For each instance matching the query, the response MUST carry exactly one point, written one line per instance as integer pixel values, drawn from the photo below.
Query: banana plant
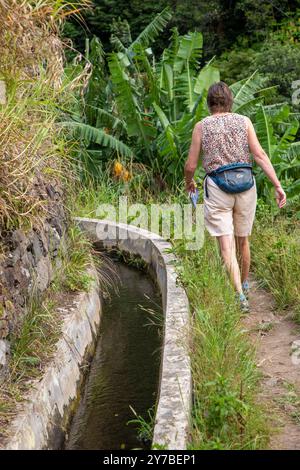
(142, 107)
(127, 100)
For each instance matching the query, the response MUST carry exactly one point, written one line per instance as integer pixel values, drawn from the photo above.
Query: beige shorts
(225, 214)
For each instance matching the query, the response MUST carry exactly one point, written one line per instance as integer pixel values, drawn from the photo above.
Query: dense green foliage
(143, 108)
(225, 413)
(270, 59)
(145, 87)
(221, 22)
(276, 254)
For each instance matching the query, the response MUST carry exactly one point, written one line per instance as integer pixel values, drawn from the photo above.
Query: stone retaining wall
(42, 419)
(27, 264)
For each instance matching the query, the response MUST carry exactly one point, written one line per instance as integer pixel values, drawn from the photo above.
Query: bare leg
(228, 253)
(243, 250)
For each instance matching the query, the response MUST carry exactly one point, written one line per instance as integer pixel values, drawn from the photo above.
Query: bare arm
(193, 157)
(264, 162)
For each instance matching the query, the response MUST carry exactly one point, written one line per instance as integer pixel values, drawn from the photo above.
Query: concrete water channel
(124, 375)
(164, 380)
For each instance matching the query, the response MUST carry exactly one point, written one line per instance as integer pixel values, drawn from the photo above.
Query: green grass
(226, 412)
(30, 351)
(33, 345)
(85, 202)
(226, 409)
(290, 401)
(75, 258)
(276, 258)
(144, 426)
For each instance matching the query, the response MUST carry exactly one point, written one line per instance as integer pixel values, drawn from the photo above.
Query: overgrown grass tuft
(75, 258)
(33, 346)
(276, 258)
(226, 412)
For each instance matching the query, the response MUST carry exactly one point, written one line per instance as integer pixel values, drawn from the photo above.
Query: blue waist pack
(233, 178)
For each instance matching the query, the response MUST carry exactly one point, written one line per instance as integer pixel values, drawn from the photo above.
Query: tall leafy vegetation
(270, 58)
(276, 253)
(31, 69)
(151, 105)
(226, 413)
(223, 23)
(140, 107)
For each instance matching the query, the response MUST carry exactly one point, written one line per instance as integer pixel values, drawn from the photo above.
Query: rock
(4, 327)
(37, 247)
(295, 352)
(52, 193)
(43, 274)
(272, 382)
(4, 359)
(19, 238)
(54, 241)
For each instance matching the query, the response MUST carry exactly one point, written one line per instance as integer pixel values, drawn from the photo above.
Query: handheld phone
(194, 197)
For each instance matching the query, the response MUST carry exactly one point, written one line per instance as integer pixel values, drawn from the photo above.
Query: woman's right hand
(280, 197)
(190, 186)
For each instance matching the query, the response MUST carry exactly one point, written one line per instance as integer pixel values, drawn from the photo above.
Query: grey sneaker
(246, 288)
(244, 304)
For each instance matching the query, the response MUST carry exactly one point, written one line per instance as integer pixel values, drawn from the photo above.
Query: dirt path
(278, 356)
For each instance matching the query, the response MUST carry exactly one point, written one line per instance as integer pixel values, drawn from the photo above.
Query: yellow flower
(118, 169)
(126, 175)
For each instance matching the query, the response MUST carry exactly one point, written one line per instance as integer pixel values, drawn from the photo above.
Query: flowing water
(125, 368)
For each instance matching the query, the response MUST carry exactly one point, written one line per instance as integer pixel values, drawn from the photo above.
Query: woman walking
(226, 140)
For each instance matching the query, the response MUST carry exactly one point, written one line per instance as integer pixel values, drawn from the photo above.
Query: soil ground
(278, 357)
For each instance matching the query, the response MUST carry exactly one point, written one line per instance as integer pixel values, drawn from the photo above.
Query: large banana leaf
(284, 143)
(168, 144)
(105, 118)
(153, 29)
(92, 135)
(150, 83)
(166, 81)
(184, 89)
(264, 131)
(249, 108)
(162, 117)
(127, 99)
(117, 44)
(170, 53)
(294, 151)
(189, 51)
(206, 77)
(95, 92)
(245, 90)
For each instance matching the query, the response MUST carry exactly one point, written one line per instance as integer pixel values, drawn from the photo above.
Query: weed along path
(278, 357)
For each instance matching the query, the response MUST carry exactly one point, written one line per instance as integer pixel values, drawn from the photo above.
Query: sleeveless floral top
(224, 140)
